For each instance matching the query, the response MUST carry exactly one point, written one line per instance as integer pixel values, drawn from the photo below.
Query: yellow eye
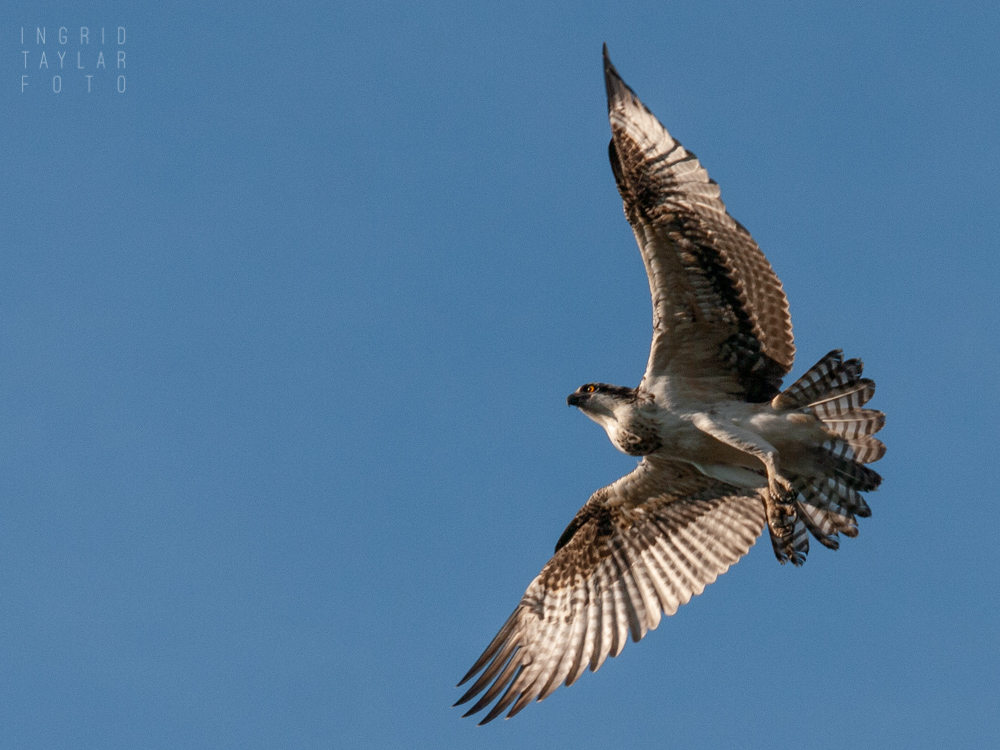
(589, 389)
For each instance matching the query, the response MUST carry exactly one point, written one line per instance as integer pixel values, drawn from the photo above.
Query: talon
(781, 511)
(780, 488)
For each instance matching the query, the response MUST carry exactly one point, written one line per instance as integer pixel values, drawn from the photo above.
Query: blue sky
(287, 330)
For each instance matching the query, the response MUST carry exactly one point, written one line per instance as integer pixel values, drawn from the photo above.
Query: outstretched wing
(641, 546)
(720, 316)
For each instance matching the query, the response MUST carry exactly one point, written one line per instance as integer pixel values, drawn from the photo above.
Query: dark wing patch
(639, 548)
(717, 303)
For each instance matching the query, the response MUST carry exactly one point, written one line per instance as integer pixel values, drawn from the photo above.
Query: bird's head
(600, 401)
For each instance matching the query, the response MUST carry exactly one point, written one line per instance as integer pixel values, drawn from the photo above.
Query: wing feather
(720, 316)
(665, 589)
(590, 618)
(606, 623)
(619, 622)
(632, 599)
(643, 581)
(638, 549)
(571, 645)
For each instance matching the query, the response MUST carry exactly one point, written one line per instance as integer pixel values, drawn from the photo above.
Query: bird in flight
(724, 451)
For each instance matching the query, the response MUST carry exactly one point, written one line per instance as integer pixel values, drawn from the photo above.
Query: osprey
(724, 451)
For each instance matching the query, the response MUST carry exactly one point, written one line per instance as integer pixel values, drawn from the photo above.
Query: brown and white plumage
(725, 452)
(639, 547)
(720, 316)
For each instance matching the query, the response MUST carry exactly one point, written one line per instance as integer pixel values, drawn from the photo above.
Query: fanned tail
(827, 503)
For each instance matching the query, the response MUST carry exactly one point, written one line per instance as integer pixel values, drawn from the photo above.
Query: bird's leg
(779, 500)
(780, 495)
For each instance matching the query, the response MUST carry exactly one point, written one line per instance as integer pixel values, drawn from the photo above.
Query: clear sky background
(287, 328)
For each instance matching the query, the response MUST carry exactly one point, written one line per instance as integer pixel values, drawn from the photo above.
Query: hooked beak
(575, 399)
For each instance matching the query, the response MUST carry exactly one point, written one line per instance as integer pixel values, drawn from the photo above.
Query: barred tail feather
(827, 503)
(829, 373)
(825, 524)
(856, 475)
(834, 391)
(845, 398)
(854, 424)
(864, 450)
(828, 508)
